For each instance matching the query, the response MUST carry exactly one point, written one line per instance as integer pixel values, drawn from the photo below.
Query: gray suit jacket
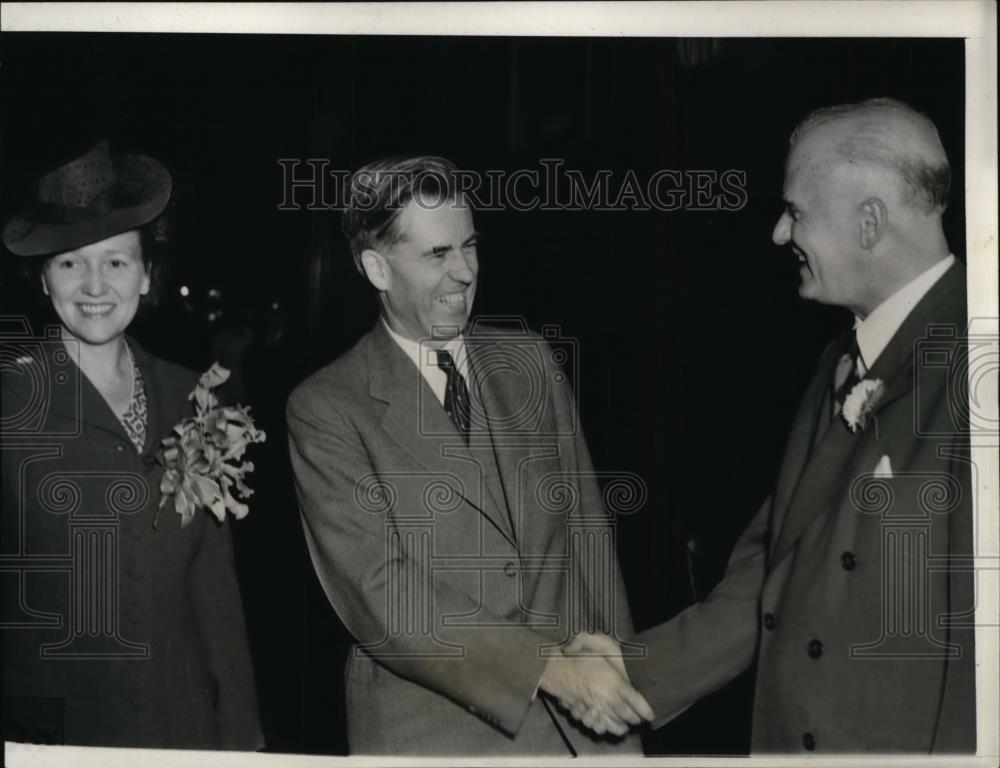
(456, 568)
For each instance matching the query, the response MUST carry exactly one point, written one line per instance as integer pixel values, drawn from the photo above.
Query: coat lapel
(416, 421)
(74, 398)
(81, 402)
(824, 477)
(811, 424)
(502, 392)
(159, 418)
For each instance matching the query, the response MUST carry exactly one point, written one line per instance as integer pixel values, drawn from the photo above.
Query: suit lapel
(820, 485)
(416, 421)
(502, 392)
(811, 424)
(823, 478)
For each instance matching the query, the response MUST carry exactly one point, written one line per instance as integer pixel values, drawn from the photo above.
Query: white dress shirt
(425, 358)
(875, 331)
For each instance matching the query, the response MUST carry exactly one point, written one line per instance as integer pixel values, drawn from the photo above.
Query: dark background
(693, 345)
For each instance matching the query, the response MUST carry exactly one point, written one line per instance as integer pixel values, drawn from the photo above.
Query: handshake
(588, 679)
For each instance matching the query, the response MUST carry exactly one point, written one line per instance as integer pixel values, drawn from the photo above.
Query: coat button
(847, 560)
(815, 648)
(510, 569)
(119, 448)
(769, 621)
(808, 741)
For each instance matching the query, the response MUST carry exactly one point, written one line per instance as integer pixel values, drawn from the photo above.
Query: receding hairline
(885, 134)
(386, 187)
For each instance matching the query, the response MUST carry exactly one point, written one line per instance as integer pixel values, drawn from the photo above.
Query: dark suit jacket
(851, 591)
(455, 568)
(114, 633)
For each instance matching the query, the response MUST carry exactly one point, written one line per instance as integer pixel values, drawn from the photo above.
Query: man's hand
(588, 678)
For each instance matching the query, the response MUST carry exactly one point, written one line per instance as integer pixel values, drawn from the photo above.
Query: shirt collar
(876, 330)
(425, 357)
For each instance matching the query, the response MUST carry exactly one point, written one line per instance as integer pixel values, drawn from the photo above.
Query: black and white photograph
(484, 381)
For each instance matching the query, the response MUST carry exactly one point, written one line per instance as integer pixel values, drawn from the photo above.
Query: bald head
(865, 187)
(883, 137)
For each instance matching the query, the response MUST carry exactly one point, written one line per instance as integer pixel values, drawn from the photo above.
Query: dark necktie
(456, 394)
(841, 392)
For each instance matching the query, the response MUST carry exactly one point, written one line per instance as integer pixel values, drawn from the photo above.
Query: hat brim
(32, 233)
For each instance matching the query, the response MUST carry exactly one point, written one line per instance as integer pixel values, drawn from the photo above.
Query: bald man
(850, 588)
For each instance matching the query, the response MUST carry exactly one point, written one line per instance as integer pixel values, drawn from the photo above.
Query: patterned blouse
(135, 416)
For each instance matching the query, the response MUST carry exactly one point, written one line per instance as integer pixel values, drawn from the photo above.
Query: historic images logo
(313, 184)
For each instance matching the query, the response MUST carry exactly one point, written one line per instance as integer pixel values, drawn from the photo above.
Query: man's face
(430, 272)
(821, 223)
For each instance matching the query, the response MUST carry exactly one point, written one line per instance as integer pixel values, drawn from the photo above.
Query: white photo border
(972, 20)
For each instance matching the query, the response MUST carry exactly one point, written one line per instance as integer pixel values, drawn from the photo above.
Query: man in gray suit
(852, 586)
(450, 505)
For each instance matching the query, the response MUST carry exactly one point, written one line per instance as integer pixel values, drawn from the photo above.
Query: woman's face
(95, 289)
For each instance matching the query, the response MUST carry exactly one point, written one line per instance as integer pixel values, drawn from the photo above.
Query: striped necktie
(456, 394)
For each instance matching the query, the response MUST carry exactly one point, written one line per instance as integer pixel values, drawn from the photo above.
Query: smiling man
(851, 589)
(421, 485)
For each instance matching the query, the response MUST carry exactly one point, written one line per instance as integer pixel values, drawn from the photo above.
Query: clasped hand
(588, 678)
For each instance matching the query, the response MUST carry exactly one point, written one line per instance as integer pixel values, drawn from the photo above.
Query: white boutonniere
(860, 403)
(203, 455)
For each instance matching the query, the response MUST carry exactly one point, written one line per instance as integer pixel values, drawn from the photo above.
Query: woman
(120, 627)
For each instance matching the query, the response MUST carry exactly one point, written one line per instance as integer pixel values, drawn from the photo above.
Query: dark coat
(115, 633)
(453, 566)
(851, 589)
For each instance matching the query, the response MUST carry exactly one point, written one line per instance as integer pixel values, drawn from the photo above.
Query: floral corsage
(861, 402)
(203, 455)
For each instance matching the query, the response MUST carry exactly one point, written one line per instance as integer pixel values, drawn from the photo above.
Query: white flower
(203, 455)
(861, 402)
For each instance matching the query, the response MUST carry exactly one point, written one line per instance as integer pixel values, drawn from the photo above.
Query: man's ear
(874, 222)
(45, 285)
(376, 268)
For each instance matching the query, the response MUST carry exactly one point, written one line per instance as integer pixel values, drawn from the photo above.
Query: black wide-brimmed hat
(91, 198)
